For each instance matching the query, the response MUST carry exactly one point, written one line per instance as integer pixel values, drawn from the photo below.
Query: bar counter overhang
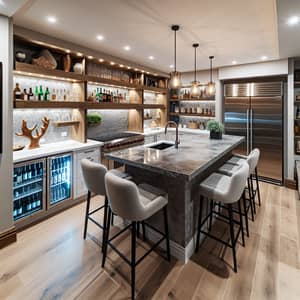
(178, 172)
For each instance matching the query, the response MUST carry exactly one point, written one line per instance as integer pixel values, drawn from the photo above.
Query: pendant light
(175, 80)
(195, 84)
(211, 87)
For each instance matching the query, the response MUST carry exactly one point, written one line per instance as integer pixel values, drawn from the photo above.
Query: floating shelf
(65, 123)
(191, 115)
(33, 70)
(109, 105)
(48, 104)
(193, 100)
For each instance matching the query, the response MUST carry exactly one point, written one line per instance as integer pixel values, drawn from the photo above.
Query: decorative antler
(34, 139)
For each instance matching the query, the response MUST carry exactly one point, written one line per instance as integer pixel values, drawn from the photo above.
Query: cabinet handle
(89, 151)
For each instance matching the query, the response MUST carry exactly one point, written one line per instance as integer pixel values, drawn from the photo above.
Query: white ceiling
(9, 7)
(289, 37)
(239, 30)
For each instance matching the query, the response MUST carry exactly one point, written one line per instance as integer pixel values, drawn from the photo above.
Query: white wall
(6, 157)
(268, 68)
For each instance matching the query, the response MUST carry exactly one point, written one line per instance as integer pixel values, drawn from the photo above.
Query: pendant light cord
(175, 51)
(211, 70)
(195, 65)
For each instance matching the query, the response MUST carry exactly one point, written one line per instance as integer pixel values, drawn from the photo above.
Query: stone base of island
(178, 172)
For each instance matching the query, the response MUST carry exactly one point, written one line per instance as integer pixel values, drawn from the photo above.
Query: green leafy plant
(93, 119)
(215, 126)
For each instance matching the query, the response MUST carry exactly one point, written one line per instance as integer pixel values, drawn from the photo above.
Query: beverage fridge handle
(251, 129)
(247, 138)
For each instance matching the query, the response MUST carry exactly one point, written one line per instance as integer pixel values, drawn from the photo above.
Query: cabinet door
(29, 183)
(79, 184)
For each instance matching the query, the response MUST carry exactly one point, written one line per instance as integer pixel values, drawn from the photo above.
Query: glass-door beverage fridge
(59, 179)
(29, 188)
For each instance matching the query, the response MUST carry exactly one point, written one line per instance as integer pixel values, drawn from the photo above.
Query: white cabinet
(149, 139)
(92, 154)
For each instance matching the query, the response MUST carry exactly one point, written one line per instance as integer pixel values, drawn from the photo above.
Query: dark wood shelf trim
(48, 104)
(193, 100)
(191, 115)
(65, 123)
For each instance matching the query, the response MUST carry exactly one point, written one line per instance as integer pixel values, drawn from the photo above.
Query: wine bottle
(30, 95)
(47, 95)
(17, 92)
(36, 94)
(41, 93)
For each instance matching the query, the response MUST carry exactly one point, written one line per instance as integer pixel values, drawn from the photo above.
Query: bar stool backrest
(124, 198)
(93, 174)
(253, 159)
(237, 184)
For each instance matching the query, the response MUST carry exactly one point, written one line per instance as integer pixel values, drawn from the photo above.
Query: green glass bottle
(41, 93)
(47, 95)
(36, 94)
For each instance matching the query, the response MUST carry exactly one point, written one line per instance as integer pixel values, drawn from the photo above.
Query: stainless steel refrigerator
(255, 110)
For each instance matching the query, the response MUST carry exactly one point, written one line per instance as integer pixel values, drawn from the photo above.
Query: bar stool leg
(250, 199)
(199, 222)
(167, 233)
(241, 222)
(257, 187)
(252, 192)
(211, 214)
(106, 237)
(133, 250)
(144, 231)
(232, 236)
(104, 222)
(246, 213)
(138, 229)
(87, 214)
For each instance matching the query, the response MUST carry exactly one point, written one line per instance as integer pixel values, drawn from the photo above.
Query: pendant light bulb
(211, 87)
(195, 91)
(175, 80)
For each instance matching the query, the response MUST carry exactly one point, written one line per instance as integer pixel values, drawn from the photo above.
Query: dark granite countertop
(195, 153)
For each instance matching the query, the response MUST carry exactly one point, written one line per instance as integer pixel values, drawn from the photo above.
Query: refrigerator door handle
(251, 129)
(247, 138)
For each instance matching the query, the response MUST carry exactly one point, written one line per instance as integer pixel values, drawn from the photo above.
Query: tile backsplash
(112, 121)
(53, 134)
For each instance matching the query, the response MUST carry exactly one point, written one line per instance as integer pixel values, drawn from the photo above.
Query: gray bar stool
(226, 190)
(93, 174)
(135, 205)
(231, 166)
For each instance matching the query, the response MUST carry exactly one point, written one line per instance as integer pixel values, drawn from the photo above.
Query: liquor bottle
(17, 92)
(38, 199)
(97, 95)
(36, 94)
(101, 95)
(30, 95)
(41, 93)
(28, 204)
(29, 172)
(47, 95)
(24, 95)
(19, 175)
(33, 202)
(65, 95)
(53, 96)
(15, 211)
(33, 171)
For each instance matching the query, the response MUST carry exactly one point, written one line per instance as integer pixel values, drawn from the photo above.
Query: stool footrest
(95, 222)
(95, 210)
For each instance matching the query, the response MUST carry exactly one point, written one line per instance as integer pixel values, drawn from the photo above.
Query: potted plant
(216, 129)
(93, 119)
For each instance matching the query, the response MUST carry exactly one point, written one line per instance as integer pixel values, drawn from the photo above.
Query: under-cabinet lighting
(79, 54)
(90, 57)
(112, 63)
(100, 37)
(101, 60)
(128, 68)
(68, 51)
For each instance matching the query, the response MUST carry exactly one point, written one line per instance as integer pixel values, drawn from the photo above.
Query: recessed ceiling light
(90, 57)
(128, 68)
(127, 48)
(100, 37)
(292, 21)
(151, 57)
(101, 59)
(112, 63)
(68, 51)
(171, 66)
(51, 19)
(264, 57)
(121, 66)
(143, 71)
(234, 62)
(136, 69)
(148, 73)
(79, 54)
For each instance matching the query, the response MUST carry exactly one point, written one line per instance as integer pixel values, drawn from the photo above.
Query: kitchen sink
(161, 146)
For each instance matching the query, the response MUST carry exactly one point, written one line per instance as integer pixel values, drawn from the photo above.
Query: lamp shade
(195, 90)
(175, 80)
(210, 89)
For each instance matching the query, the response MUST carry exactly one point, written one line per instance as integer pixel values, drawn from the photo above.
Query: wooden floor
(52, 261)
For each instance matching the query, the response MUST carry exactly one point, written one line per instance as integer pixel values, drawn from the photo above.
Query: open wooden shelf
(48, 104)
(114, 83)
(109, 105)
(30, 70)
(193, 100)
(191, 115)
(65, 123)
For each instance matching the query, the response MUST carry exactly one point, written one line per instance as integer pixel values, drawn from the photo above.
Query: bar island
(178, 172)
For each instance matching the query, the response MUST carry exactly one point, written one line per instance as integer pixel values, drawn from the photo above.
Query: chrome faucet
(177, 142)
